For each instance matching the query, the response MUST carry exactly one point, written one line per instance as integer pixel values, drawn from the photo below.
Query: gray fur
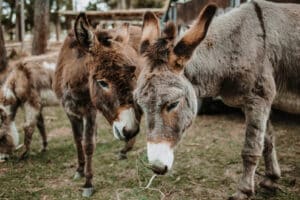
(251, 58)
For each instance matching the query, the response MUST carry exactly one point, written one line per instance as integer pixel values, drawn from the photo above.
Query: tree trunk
(122, 4)
(41, 27)
(18, 22)
(3, 59)
(68, 20)
(57, 21)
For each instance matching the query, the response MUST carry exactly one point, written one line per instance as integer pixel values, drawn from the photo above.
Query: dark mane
(158, 53)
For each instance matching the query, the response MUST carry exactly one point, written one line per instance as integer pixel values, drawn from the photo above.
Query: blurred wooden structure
(195, 6)
(115, 15)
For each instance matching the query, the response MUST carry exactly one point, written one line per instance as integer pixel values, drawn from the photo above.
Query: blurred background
(34, 27)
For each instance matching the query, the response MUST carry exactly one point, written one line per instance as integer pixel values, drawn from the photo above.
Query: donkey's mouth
(118, 134)
(162, 170)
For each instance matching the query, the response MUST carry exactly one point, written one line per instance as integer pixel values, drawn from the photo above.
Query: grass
(207, 163)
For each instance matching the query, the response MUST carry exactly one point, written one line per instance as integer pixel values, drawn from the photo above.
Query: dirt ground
(207, 163)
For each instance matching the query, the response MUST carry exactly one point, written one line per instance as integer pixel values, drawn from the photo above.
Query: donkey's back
(282, 24)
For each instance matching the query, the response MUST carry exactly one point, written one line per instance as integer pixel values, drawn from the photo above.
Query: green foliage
(91, 6)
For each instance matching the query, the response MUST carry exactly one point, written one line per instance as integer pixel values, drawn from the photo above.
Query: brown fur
(6, 141)
(97, 69)
(25, 86)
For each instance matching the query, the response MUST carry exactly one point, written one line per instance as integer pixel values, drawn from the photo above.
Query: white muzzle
(126, 120)
(160, 153)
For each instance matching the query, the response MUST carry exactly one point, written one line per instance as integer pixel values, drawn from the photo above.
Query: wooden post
(22, 23)
(3, 59)
(123, 4)
(74, 5)
(57, 21)
(18, 22)
(1, 1)
(41, 26)
(57, 27)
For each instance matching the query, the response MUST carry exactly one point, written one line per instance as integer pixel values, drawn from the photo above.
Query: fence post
(235, 3)
(22, 24)
(1, 1)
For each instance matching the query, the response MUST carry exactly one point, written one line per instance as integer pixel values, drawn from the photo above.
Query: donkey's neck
(218, 53)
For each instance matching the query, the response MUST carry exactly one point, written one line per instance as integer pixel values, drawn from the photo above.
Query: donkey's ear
(150, 30)
(186, 46)
(123, 33)
(84, 34)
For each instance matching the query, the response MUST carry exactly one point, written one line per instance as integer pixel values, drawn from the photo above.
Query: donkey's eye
(103, 84)
(172, 106)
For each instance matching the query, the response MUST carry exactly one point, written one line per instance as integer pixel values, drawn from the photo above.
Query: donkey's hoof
(239, 196)
(87, 192)
(24, 155)
(269, 184)
(78, 176)
(43, 150)
(122, 156)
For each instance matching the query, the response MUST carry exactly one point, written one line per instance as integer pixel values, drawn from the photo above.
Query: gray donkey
(249, 56)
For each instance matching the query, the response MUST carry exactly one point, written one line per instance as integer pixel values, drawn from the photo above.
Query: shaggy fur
(249, 57)
(97, 70)
(28, 85)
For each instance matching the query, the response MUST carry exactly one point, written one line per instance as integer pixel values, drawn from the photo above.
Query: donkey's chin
(160, 156)
(126, 126)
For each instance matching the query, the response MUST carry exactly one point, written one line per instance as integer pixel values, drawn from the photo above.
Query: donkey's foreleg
(272, 168)
(257, 114)
(31, 114)
(128, 146)
(77, 128)
(42, 131)
(89, 146)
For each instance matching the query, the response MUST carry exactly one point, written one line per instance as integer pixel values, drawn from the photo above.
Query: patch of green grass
(207, 164)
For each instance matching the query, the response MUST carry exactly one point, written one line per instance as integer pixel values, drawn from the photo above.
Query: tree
(41, 26)
(3, 59)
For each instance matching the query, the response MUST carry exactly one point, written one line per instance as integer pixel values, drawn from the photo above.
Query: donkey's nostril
(159, 169)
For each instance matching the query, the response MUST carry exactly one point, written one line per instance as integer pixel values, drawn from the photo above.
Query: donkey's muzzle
(131, 134)
(126, 126)
(160, 156)
(159, 168)
(124, 134)
(118, 134)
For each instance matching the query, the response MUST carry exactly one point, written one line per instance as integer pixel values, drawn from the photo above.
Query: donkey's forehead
(158, 53)
(117, 56)
(160, 87)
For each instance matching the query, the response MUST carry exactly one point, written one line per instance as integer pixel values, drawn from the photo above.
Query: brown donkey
(28, 85)
(97, 70)
(249, 56)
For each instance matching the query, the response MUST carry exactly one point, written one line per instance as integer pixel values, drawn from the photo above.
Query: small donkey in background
(97, 70)
(249, 56)
(28, 85)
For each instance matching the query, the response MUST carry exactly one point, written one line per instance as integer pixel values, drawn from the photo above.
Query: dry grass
(207, 164)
